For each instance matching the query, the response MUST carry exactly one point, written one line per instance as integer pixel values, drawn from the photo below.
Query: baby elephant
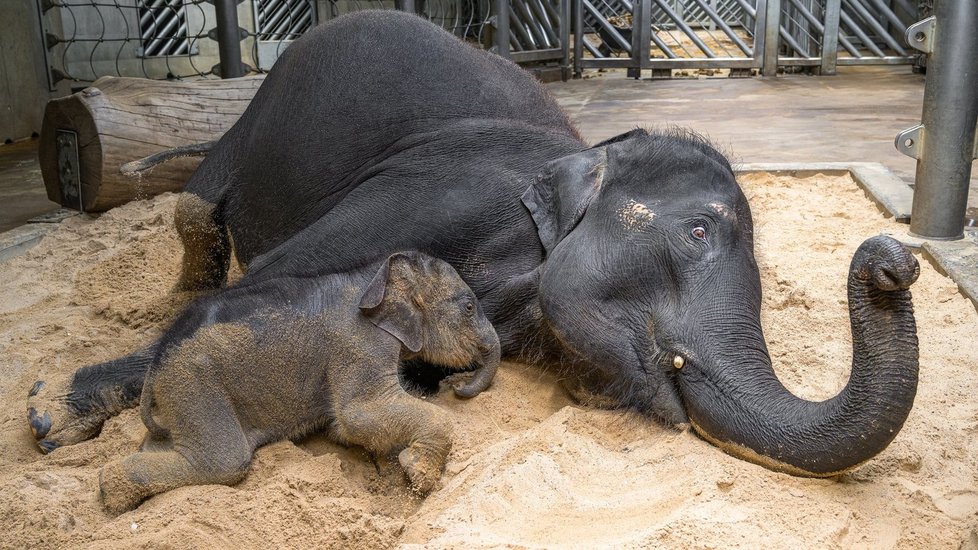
(325, 356)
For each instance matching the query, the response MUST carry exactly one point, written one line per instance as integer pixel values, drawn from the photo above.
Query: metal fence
(176, 39)
(752, 35)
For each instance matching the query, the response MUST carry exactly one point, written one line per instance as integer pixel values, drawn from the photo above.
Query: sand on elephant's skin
(529, 468)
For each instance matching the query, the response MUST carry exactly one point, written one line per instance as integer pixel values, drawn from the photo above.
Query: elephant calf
(282, 358)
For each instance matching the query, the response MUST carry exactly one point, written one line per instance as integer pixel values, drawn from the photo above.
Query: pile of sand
(529, 467)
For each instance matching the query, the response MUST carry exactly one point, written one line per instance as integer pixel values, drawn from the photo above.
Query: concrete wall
(23, 76)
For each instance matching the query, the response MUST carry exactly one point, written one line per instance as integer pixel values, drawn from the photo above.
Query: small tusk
(678, 361)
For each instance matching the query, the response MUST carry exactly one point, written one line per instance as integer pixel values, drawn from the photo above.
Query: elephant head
(423, 302)
(651, 290)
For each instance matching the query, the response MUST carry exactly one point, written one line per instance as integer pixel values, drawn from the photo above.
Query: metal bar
(564, 22)
(404, 5)
(771, 27)
(799, 61)
(715, 17)
(888, 60)
(536, 32)
(228, 38)
(685, 63)
(875, 25)
(612, 31)
(535, 55)
(685, 29)
(594, 51)
(536, 6)
(524, 37)
(949, 118)
(659, 43)
(856, 30)
(501, 7)
(641, 35)
(578, 9)
(882, 8)
(830, 37)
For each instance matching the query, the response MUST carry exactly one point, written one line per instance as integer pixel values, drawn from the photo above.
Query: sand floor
(529, 467)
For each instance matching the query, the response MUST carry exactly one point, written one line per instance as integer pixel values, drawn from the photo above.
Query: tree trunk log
(118, 120)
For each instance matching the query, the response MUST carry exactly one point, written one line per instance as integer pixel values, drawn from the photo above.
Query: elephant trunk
(745, 410)
(488, 365)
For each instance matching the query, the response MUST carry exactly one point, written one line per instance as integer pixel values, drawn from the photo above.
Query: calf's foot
(422, 469)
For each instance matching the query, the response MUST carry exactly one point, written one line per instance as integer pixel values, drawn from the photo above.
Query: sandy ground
(529, 467)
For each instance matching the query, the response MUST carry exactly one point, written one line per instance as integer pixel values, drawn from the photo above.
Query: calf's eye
(469, 307)
(699, 233)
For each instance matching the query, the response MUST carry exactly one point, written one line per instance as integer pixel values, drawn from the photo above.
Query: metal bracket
(910, 141)
(69, 172)
(920, 35)
(216, 69)
(242, 33)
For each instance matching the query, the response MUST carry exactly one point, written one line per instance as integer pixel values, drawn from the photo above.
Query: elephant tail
(137, 167)
(146, 407)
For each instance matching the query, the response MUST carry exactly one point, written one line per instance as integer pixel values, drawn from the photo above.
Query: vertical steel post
(641, 37)
(578, 36)
(404, 5)
(772, 27)
(228, 38)
(565, 25)
(830, 37)
(949, 118)
(502, 27)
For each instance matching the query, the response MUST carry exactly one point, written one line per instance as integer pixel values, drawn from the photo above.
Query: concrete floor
(853, 116)
(22, 194)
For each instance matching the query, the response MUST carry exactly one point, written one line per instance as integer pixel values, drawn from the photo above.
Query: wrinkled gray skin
(235, 374)
(612, 264)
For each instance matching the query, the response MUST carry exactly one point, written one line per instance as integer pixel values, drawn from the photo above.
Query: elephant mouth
(663, 396)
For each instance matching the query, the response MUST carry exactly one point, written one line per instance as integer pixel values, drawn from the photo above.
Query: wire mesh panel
(87, 39)
(176, 39)
(163, 28)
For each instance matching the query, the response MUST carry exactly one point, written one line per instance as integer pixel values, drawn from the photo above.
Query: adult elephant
(627, 265)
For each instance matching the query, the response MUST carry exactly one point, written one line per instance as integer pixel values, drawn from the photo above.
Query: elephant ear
(389, 301)
(637, 132)
(560, 195)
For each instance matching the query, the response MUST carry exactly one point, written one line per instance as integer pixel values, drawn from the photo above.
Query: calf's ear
(561, 193)
(389, 302)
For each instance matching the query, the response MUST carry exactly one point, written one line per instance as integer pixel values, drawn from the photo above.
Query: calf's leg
(397, 420)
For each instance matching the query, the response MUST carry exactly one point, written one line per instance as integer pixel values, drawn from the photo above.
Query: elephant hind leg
(64, 412)
(208, 447)
(207, 248)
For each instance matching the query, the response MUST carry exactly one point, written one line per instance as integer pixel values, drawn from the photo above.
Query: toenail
(40, 424)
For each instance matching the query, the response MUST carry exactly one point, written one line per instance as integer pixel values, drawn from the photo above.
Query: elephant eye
(469, 307)
(698, 233)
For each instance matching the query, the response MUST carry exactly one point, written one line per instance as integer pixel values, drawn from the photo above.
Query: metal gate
(742, 36)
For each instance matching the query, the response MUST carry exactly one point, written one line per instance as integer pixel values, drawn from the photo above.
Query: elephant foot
(424, 472)
(116, 491)
(54, 421)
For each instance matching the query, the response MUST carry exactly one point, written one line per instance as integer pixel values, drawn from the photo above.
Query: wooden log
(118, 120)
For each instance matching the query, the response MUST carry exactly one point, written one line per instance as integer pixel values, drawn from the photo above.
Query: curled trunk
(480, 381)
(745, 410)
